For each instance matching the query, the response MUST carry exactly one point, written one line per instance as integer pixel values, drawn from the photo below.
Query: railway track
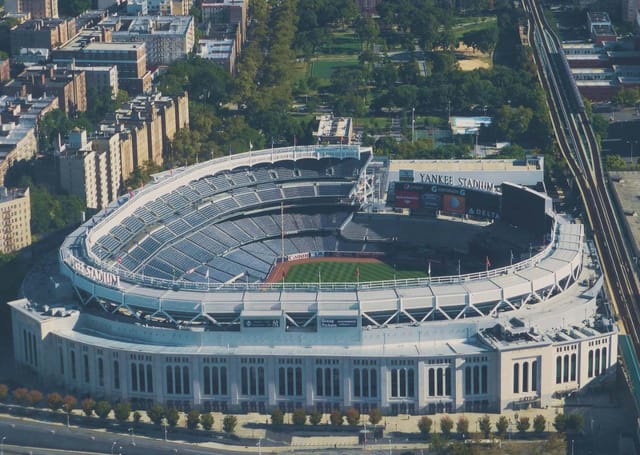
(579, 147)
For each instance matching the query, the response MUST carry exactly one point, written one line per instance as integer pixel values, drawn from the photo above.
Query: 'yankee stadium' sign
(108, 278)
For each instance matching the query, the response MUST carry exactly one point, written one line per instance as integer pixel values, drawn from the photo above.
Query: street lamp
(113, 446)
(389, 439)
(259, 446)
(2, 445)
(164, 423)
(67, 420)
(133, 440)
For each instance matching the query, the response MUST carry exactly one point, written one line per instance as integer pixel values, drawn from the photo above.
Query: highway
(579, 147)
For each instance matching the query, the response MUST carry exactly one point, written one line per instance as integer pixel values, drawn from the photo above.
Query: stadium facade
(171, 303)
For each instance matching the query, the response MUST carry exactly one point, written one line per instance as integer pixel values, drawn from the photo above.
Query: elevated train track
(579, 147)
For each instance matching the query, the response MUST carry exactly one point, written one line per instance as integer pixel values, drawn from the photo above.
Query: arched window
(597, 358)
(365, 382)
(281, 382)
(467, 380)
(403, 383)
(558, 369)
(447, 381)
(432, 382)
(244, 381)
(590, 365)
(410, 383)
(516, 378)
(565, 369)
(394, 382)
(374, 383)
(298, 381)
(605, 362)
(484, 379)
(525, 376)
(169, 371)
(439, 379)
(186, 384)
(319, 388)
(534, 376)
(573, 367)
(207, 381)
(223, 380)
(476, 380)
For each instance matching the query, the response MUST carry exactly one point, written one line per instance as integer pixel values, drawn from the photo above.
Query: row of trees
(336, 418)
(122, 411)
(562, 423)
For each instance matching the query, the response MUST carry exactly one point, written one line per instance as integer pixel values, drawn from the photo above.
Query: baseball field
(346, 271)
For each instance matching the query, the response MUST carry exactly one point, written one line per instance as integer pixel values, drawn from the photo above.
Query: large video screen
(426, 198)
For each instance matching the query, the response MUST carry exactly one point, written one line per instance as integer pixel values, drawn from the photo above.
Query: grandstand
(171, 292)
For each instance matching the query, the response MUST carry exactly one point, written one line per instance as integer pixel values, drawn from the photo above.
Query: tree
(193, 419)
(35, 397)
(69, 403)
(87, 405)
(424, 425)
(462, 426)
(277, 417)
(229, 424)
(560, 423)
(299, 417)
(4, 392)
(206, 420)
(173, 416)
(539, 424)
(615, 162)
(122, 411)
(575, 422)
(523, 424)
(21, 396)
(54, 401)
(446, 425)
(315, 417)
(336, 418)
(556, 444)
(501, 426)
(102, 409)
(484, 425)
(353, 417)
(375, 416)
(156, 413)
(483, 40)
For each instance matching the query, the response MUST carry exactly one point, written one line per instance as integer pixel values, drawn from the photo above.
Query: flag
(488, 263)
(207, 274)
(250, 145)
(511, 251)
(429, 269)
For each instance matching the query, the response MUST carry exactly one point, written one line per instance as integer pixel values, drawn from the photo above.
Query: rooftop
(9, 194)
(137, 25)
(467, 165)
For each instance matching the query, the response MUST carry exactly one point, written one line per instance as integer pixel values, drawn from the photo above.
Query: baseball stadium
(324, 277)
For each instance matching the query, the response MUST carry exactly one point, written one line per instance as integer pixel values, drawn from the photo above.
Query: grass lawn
(474, 24)
(323, 67)
(340, 272)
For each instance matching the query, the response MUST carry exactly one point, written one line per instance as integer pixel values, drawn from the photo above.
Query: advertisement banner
(453, 203)
(407, 199)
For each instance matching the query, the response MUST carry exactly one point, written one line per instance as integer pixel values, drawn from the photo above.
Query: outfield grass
(341, 272)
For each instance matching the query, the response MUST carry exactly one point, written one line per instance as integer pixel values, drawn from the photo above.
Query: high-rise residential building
(18, 120)
(36, 8)
(94, 48)
(167, 38)
(91, 170)
(226, 12)
(15, 219)
(69, 85)
(41, 34)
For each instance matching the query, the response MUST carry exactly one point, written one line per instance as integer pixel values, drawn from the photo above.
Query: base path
(282, 268)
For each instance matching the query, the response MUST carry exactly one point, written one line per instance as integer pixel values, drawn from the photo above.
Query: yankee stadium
(459, 297)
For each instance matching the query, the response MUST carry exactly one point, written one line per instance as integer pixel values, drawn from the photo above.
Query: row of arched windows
(597, 362)
(290, 381)
(252, 381)
(215, 380)
(365, 382)
(327, 382)
(142, 377)
(475, 380)
(178, 380)
(402, 382)
(527, 381)
(566, 368)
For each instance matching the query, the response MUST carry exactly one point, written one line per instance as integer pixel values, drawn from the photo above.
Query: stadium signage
(332, 323)
(261, 323)
(297, 256)
(450, 180)
(107, 278)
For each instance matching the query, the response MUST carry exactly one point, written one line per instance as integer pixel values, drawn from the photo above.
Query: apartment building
(15, 219)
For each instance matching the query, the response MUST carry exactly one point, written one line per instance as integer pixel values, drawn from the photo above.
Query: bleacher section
(202, 226)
